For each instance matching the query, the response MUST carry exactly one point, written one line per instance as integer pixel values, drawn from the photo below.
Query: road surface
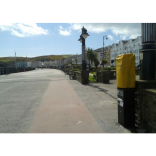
(46, 101)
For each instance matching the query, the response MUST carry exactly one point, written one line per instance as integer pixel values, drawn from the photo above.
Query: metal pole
(147, 59)
(103, 47)
(15, 59)
(27, 61)
(83, 55)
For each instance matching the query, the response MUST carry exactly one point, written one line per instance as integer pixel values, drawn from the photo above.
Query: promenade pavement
(70, 107)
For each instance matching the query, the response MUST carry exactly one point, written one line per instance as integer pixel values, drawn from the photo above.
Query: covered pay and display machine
(125, 73)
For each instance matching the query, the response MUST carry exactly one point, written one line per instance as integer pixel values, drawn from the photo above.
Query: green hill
(39, 58)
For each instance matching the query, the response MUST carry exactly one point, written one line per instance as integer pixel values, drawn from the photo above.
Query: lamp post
(147, 56)
(103, 44)
(15, 60)
(83, 36)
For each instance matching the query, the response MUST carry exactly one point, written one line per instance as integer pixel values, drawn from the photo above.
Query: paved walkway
(61, 111)
(70, 107)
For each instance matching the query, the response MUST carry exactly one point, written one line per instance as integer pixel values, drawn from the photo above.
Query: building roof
(124, 41)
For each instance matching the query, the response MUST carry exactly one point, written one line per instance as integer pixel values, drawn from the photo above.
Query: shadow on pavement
(102, 90)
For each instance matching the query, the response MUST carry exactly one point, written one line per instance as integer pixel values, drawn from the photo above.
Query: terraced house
(126, 47)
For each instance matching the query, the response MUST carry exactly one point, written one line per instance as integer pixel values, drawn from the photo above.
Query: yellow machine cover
(125, 71)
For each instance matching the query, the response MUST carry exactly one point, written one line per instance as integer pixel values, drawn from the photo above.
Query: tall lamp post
(103, 44)
(15, 60)
(147, 56)
(83, 36)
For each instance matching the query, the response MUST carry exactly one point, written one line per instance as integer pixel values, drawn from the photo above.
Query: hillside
(39, 58)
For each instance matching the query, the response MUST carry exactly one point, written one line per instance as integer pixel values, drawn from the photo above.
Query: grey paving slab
(101, 100)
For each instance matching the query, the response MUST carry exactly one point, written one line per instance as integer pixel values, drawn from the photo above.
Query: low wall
(145, 105)
(112, 75)
(103, 76)
(149, 110)
(77, 75)
(82, 76)
(4, 71)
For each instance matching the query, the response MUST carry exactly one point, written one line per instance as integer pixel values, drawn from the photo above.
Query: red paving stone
(61, 111)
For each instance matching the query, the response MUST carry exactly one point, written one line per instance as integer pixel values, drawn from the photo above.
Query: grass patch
(91, 78)
(93, 73)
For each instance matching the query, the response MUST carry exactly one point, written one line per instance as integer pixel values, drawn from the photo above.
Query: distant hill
(39, 58)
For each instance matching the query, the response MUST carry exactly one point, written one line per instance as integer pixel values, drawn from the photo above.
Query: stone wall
(112, 75)
(140, 101)
(82, 76)
(103, 76)
(4, 71)
(77, 76)
(149, 110)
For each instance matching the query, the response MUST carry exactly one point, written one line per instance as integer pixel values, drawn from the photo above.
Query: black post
(83, 36)
(103, 47)
(147, 56)
(83, 53)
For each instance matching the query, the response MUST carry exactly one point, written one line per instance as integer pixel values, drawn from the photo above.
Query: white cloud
(23, 29)
(64, 32)
(123, 37)
(95, 28)
(111, 37)
(15, 33)
(61, 27)
(124, 30)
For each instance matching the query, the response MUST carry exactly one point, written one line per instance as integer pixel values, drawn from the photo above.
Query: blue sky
(37, 39)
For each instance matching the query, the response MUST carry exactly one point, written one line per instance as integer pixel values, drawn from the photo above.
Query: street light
(103, 44)
(83, 36)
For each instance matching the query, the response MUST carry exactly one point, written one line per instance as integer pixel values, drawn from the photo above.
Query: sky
(38, 39)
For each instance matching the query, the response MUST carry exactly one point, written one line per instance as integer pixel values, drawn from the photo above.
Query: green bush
(113, 68)
(107, 68)
(76, 66)
(76, 69)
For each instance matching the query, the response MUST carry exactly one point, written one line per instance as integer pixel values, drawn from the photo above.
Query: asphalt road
(46, 101)
(20, 97)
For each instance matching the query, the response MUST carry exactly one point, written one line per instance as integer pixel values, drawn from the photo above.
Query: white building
(59, 63)
(24, 64)
(126, 47)
(79, 59)
(29, 64)
(36, 64)
(45, 64)
(99, 54)
(21, 64)
(55, 64)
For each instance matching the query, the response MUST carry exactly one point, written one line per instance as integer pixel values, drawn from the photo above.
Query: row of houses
(123, 47)
(109, 53)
